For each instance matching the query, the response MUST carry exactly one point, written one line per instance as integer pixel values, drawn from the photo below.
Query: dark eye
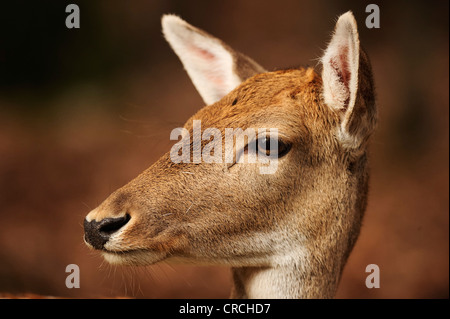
(264, 147)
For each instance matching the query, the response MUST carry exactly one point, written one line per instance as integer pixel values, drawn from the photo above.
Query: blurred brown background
(84, 111)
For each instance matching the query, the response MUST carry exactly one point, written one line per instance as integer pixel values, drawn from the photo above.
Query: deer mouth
(137, 257)
(116, 251)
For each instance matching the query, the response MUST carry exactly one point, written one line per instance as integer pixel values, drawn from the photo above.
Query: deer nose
(97, 233)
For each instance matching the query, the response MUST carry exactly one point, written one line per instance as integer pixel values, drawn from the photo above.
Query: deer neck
(307, 270)
(282, 282)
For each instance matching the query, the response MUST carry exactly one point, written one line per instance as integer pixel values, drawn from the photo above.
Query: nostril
(97, 234)
(110, 225)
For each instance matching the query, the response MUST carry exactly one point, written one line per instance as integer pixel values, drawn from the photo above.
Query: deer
(284, 235)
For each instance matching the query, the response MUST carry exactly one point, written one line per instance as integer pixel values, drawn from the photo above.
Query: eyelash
(263, 147)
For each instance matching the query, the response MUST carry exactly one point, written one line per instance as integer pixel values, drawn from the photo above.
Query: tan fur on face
(286, 234)
(158, 200)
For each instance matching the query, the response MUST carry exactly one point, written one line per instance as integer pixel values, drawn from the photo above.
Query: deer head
(287, 234)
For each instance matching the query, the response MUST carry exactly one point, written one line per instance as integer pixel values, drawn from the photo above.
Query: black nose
(98, 233)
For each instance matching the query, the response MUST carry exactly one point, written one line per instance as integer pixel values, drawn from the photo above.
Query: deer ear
(348, 83)
(214, 68)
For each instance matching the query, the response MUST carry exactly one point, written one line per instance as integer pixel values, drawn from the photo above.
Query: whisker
(189, 208)
(87, 206)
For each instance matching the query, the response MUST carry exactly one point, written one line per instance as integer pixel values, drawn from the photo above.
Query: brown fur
(217, 214)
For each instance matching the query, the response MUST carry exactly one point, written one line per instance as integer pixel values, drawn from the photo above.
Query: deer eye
(264, 147)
